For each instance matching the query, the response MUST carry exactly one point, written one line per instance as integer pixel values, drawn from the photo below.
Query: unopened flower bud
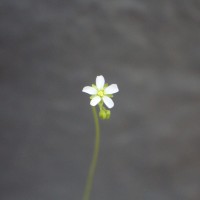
(108, 113)
(102, 114)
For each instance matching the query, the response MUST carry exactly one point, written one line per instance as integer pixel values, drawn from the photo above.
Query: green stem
(90, 177)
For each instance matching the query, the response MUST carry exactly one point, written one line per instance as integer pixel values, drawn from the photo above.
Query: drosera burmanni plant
(100, 94)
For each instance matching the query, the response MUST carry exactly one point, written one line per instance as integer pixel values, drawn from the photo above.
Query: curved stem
(90, 177)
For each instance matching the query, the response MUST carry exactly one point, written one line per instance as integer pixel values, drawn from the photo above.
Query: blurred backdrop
(49, 50)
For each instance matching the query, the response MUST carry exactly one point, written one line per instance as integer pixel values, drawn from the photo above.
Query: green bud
(108, 113)
(102, 114)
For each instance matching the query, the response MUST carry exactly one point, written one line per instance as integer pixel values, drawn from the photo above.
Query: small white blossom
(101, 92)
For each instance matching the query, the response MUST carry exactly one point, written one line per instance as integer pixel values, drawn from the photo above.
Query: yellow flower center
(101, 93)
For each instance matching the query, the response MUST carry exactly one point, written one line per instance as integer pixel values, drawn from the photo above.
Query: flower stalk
(90, 178)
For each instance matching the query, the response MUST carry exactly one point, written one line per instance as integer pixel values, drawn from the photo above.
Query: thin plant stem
(90, 177)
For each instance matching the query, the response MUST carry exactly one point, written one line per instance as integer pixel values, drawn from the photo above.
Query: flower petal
(95, 101)
(100, 81)
(108, 101)
(111, 89)
(89, 90)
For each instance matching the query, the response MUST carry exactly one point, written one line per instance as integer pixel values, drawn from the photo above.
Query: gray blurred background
(49, 50)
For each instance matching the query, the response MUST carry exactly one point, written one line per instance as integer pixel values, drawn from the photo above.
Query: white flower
(101, 92)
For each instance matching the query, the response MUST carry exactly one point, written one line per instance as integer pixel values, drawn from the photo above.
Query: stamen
(101, 93)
